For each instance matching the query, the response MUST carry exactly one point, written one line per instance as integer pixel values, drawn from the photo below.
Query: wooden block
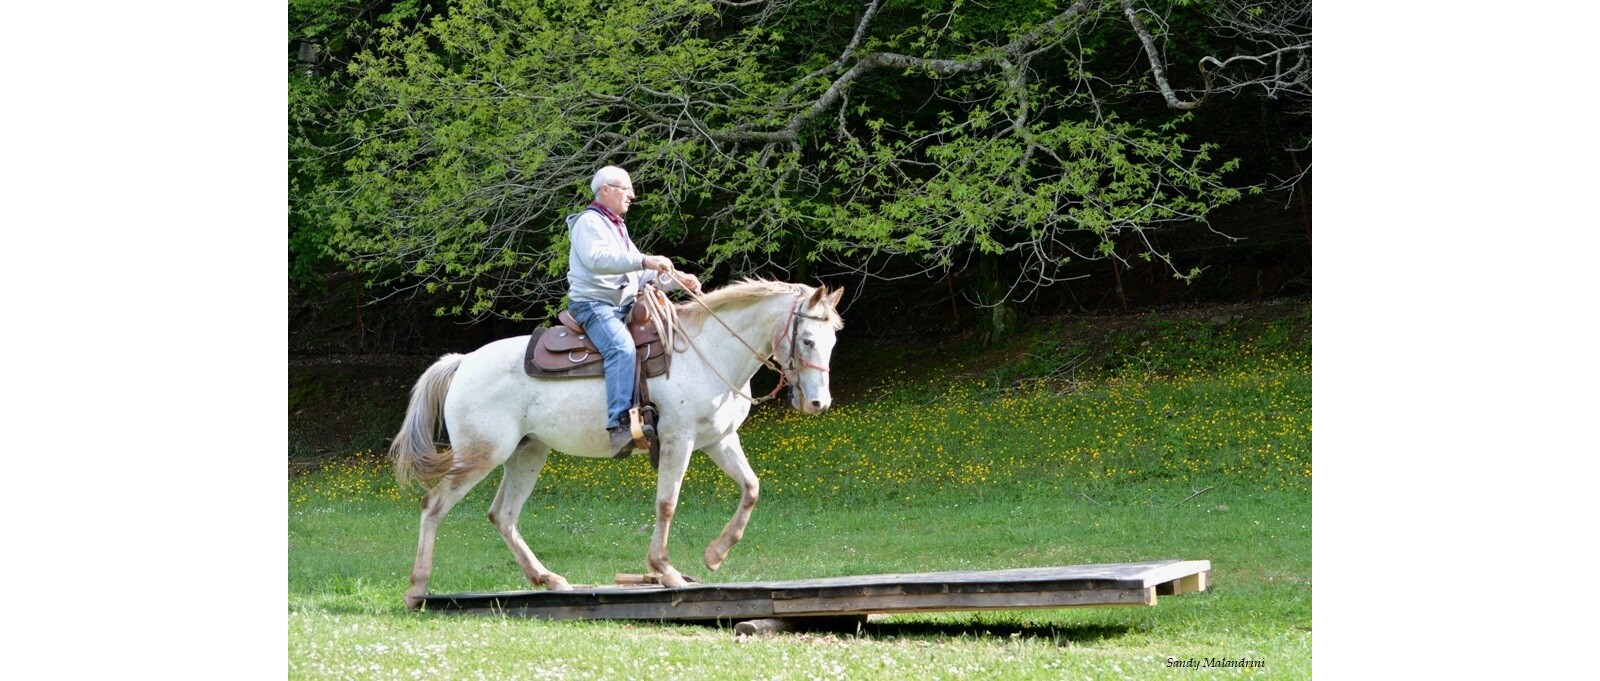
(767, 625)
(1189, 584)
(1195, 583)
(848, 624)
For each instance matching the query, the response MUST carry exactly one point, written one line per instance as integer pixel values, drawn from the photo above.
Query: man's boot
(622, 437)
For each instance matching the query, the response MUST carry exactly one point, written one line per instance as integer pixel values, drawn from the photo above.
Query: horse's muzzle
(809, 405)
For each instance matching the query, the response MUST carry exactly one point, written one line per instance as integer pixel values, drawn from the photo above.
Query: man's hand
(659, 263)
(689, 281)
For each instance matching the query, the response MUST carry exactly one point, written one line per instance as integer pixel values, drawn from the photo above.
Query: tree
(884, 140)
(323, 36)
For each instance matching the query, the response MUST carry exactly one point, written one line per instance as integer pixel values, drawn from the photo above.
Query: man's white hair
(608, 175)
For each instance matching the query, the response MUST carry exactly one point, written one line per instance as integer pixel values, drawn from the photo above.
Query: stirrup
(637, 425)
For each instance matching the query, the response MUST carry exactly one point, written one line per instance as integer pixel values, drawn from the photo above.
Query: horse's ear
(816, 298)
(833, 300)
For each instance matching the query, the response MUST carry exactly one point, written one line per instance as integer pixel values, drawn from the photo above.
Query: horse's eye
(808, 343)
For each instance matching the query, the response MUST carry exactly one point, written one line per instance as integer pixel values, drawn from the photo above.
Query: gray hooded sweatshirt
(603, 266)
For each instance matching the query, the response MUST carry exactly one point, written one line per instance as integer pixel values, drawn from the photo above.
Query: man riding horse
(605, 272)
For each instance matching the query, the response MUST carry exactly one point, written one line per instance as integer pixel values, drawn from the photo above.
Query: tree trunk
(955, 312)
(999, 319)
(1116, 273)
(803, 269)
(361, 340)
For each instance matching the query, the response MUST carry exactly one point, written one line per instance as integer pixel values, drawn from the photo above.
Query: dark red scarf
(616, 220)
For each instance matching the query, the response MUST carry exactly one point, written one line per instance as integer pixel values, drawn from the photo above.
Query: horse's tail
(415, 457)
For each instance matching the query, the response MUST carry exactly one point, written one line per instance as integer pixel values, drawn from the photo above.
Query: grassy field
(1021, 465)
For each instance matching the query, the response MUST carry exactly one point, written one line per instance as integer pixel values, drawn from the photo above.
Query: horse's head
(805, 354)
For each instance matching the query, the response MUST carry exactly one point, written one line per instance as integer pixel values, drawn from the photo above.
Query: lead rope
(663, 316)
(659, 316)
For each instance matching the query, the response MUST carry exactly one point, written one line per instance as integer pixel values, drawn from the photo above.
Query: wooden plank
(1050, 587)
(942, 602)
(1108, 575)
(1175, 570)
(613, 603)
(720, 610)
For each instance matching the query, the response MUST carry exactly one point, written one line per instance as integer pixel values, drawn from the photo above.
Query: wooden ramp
(1052, 587)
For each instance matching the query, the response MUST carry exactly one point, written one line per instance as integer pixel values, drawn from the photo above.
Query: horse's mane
(745, 292)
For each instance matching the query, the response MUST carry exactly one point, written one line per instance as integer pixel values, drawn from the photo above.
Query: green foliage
(330, 32)
(455, 142)
(996, 189)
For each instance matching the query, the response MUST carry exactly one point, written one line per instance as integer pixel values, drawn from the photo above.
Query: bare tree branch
(1157, 69)
(889, 60)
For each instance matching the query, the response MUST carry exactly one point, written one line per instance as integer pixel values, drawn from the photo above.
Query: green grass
(989, 473)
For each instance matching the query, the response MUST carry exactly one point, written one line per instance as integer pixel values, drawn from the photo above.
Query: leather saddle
(565, 351)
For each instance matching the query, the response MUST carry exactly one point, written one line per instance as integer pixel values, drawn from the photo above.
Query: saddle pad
(560, 353)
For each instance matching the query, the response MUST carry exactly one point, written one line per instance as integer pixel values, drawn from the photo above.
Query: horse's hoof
(556, 583)
(674, 580)
(713, 560)
(413, 601)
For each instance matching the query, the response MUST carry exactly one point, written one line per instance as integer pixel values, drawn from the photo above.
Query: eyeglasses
(628, 190)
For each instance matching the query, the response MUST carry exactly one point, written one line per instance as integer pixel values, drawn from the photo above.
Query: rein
(665, 315)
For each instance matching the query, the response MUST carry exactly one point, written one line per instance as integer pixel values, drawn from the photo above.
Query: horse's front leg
(729, 455)
(669, 480)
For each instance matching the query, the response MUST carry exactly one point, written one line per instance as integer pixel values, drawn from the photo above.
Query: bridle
(791, 330)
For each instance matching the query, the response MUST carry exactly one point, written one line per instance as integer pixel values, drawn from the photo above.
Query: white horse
(494, 413)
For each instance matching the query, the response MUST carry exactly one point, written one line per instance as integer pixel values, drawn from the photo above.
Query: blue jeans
(603, 322)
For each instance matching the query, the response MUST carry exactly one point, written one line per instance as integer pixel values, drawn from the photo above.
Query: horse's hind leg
(482, 458)
(521, 474)
(729, 455)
